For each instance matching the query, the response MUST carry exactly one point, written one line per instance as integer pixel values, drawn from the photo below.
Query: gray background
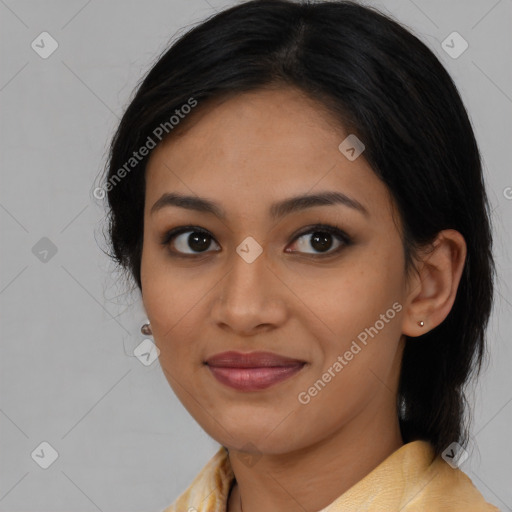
(67, 371)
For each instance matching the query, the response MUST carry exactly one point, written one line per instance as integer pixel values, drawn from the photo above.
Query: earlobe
(435, 285)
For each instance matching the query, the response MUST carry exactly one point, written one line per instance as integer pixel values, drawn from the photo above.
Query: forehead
(259, 146)
(268, 122)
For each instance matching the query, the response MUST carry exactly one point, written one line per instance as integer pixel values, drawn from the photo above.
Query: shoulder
(412, 479)
(452, 490)
(439, 485)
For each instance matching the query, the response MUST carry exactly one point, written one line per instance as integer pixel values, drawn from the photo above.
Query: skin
(246, 152)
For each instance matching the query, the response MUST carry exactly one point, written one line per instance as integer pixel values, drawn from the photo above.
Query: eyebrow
(277, 210)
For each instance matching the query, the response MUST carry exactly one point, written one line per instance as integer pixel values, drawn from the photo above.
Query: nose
(250, 298)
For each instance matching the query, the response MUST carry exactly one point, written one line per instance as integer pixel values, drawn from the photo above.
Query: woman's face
(260, 280)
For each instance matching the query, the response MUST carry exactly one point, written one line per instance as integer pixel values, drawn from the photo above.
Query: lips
(250, 360)
(252, 371)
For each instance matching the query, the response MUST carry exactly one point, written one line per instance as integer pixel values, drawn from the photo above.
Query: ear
(432, 290)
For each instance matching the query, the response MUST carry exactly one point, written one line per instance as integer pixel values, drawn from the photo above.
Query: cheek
(162, 301)
(351, 296)
(357, 316)
(174, 300)
(170, 308)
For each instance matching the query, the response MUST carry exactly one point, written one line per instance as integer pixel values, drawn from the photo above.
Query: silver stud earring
(421, 323)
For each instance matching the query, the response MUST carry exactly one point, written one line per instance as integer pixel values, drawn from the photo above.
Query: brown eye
(188, 240)
(322, 239)
(191, 241)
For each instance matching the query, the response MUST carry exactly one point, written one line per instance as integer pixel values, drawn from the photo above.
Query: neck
(331, 467)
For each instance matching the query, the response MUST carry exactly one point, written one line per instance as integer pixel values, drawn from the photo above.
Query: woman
(297, 192)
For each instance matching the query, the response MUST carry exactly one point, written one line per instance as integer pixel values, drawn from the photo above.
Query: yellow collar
(409, 480)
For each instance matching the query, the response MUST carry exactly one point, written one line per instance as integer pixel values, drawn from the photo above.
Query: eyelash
(334, 230)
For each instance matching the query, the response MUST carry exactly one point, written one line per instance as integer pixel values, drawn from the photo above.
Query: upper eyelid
(304, 231)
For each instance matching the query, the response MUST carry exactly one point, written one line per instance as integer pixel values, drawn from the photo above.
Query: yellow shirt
(409, 480)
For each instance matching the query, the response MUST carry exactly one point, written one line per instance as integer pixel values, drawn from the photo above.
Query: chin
(262, 439)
